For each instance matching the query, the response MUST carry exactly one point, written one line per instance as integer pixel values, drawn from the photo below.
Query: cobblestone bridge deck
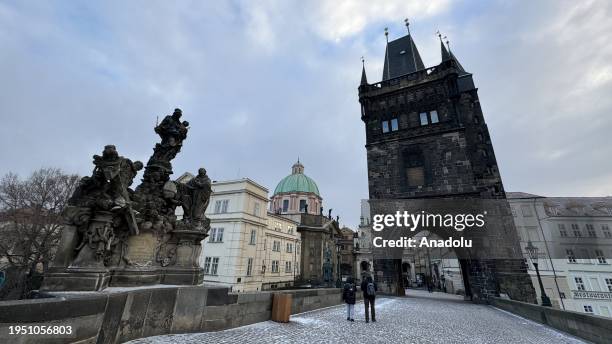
(419, 318)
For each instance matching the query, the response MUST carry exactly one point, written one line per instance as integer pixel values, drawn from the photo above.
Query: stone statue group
(105, 219)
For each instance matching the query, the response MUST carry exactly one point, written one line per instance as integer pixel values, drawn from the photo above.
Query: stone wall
(592, 328)
(120, 315)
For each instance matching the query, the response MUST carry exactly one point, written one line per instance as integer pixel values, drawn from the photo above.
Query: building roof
(297, 181)
(519, 195)
(401, 57)
(570, 206)
(578, 206)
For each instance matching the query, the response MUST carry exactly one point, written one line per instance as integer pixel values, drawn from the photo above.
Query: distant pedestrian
(348, 295)
(429, 283)
(369, 289)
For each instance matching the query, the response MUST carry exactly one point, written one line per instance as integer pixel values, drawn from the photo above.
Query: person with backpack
(369, 289)
(348, 295)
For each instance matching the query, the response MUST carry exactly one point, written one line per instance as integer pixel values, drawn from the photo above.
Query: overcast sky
(263, 82)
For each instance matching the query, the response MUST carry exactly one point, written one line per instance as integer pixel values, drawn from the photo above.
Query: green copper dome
(297, 181)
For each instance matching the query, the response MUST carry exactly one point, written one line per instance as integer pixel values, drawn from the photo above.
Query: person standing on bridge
(369, 289)
(348, 295)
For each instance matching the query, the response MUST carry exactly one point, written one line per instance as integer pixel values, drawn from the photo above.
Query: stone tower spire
(364, 78)
(401, 57)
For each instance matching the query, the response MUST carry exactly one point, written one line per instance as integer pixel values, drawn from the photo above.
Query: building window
(576, 230)
(275, 266)
(424, 120)
(221, 206)
(289, 247)
(216, 235)
(249, 267)
(287, 267)
(394, 124)
(601, 259)
(256, 209)
(285, 205)
(207, 265)
(276, 246)
(385, 127)
(606, 231)
(416, 176)
(434, 116)
(290, 229)
(562, 231)
(588, 309)
(302, 205)
(609, 284)
(214, 266)
(571, 258)
(253, 237)
(591, 231)
(579, 283)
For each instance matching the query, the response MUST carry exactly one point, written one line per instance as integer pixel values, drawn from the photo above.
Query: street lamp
(532, 251)
(339, 280)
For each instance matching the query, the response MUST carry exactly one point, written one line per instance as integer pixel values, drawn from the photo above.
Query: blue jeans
(350, 311)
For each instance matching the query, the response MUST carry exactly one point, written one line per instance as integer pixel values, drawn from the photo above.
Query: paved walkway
(419, 318)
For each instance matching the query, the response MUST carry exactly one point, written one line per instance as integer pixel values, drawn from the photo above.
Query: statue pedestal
(76, 279)
(140, 266)
(186, 269)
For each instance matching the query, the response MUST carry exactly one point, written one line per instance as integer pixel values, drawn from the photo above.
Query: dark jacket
(348, 293)
(364, 288)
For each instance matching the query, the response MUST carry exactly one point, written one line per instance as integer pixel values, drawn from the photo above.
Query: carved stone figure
(196, 197)
(123, 237)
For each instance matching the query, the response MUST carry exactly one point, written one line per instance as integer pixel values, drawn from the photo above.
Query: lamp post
(339, 280)
(532, 251)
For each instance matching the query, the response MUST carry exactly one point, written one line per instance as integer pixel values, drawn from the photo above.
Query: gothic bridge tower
(426, 137)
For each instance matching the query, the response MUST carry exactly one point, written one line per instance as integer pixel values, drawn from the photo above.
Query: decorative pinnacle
(407, 23)
(362, 61)
(440, 36)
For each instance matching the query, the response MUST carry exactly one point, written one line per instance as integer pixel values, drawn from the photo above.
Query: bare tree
(30, 224)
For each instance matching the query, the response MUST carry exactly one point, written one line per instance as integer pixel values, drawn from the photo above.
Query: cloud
(264, 82)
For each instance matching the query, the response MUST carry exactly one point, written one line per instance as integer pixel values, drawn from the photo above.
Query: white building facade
(574, 240)
(247, 248)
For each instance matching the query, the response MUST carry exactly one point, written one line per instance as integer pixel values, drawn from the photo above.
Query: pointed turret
(445, 54)
(364, 78)
(401, 57)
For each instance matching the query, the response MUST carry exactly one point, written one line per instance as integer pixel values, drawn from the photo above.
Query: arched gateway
(427, 141)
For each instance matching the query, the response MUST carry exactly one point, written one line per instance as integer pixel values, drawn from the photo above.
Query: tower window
(434, 116)
(415, 169)
(302, 205)
(285, 205)
(385, 126)
(394, 124)
(390, 125)
(424, 120)
(416, 176)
